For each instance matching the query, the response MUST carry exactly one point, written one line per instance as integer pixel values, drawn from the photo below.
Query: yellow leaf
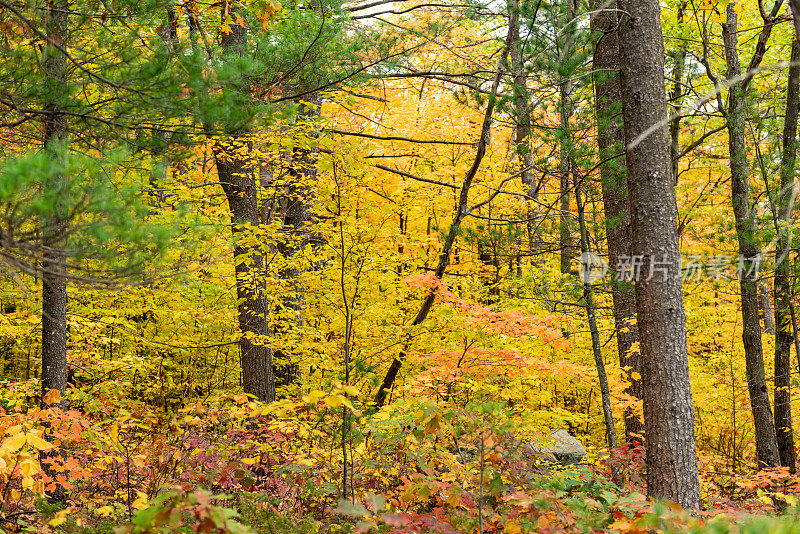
(313, 396)
(141, 501)
(270, 9)
(38, 442)
(14, 443)
(27, 483)
(249, 461)
(104, 511)
(512, 527)
(59, 519)
(350, 390)
(621, 524)
(333, 401)
(29, 467)
(635, 376)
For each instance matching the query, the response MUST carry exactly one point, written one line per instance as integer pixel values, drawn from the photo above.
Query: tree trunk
(299, 199)
(54, 232)
(671, 456)
(522, 130)
(782, 287)
(766, 307)
(237, 175)
(591, 310)
(749, 251)
(566, 145)
(676, 96)
(610, 138)
(54, 227)
(161, 138)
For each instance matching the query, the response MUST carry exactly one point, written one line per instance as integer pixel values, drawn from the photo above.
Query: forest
(399, 266)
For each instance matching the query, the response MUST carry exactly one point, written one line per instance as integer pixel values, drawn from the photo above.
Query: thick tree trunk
(671, 456)
(237, 176)
(610, 138)
(299, 200)
(782, 287)
(749, 250)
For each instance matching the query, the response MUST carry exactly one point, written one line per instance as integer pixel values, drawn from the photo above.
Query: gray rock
(559, 448)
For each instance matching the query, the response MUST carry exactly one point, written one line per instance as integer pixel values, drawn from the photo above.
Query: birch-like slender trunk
(461, 211)
(782, 289)
(749, 249)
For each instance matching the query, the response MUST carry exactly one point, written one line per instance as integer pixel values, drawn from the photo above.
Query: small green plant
(181, 511)
(261, 511)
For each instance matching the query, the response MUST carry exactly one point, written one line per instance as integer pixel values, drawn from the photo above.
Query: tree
(566, 159)
(236, 168)
(462, 210)
(784, 323)
(608, 102)
(75, 125)
(749, 247)
(296, 55)
(671, 457)
(522, 120)
(297, 232)
(54, 272)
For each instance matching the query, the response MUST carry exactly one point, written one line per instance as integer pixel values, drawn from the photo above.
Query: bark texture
(237, 175)
(749, 250)
(296, 221)
(54, 227)
(522, 129)
(671, 456)
(610, 138)
(55, 369)
(782, 287)
(565, 156)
